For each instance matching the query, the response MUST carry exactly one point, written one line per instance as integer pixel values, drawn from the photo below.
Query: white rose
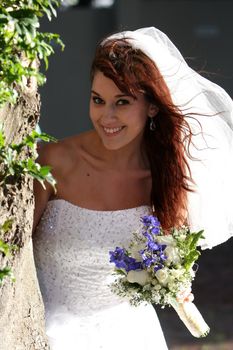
(138, 276)
(162, 275)
(172, 254)
(168, 240)
(177, 273)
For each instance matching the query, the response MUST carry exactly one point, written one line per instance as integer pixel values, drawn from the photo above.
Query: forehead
(109, 92)
(105, 86)
(101, 82)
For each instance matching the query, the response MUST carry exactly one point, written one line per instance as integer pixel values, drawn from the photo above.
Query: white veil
(210, 206)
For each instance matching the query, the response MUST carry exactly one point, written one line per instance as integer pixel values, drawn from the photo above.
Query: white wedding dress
(71, 248)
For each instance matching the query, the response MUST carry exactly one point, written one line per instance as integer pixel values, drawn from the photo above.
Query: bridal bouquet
(159, 268)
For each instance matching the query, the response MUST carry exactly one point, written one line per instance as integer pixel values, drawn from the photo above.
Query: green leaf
(45, 170)
(45, 137)
(6, 226)
(18, 33)
(16, 147)
(121, 272)
(6, 272)
(7, 248)
(51, 180)
(4, 248)
(2, 139)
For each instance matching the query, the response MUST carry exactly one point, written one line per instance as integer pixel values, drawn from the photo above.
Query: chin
(112, 147)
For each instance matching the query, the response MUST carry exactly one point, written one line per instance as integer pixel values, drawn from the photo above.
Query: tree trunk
(21, 307)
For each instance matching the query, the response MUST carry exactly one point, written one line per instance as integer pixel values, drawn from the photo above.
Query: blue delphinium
(151, 223)
(122, 261)
(154, 252)
(153, 255)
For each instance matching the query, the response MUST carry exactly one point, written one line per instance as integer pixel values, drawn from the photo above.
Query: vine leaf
(15, 167)
(19, 23)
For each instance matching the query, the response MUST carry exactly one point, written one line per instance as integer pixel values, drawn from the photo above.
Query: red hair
(132, 71)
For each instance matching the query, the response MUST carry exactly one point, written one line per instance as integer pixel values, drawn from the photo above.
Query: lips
(112, 131)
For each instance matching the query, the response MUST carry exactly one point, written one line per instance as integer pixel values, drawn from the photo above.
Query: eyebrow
(117, 96)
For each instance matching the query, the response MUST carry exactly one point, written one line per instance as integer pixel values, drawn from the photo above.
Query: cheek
(141, 119)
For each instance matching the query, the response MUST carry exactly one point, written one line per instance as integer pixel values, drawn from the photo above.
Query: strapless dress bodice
(71, 250)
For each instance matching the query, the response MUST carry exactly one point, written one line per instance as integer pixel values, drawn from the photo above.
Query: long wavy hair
(167, 147)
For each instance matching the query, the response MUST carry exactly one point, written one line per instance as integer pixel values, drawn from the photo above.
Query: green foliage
(4, 228)
(6, 272)
(6, 249)
(21, 47)
(14, 166)
(189, 248)
(21, 44)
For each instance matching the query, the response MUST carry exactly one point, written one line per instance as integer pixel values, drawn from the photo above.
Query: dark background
(203, 32)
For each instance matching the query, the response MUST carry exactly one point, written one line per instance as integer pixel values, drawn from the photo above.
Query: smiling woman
(149, 111)
(118, 118)
(149, 105)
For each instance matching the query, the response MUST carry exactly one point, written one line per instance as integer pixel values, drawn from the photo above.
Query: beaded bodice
(71, 249)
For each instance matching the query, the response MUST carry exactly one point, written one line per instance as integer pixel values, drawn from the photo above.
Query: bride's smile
(118, 118)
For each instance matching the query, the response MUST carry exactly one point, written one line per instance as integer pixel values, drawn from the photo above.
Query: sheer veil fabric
(210, 205)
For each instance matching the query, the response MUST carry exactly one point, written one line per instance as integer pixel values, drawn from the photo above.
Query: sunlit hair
(166, 147)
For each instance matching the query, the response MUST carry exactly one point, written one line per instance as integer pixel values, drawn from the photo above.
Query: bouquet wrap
(191, 317)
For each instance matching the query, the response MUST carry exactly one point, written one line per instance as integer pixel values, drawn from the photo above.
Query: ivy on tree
(19, 23)
(21, 45)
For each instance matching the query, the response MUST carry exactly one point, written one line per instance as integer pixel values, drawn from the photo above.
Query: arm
(61, 156)
(42, 196)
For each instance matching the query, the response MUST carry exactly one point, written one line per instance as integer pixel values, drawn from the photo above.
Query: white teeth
(112, 130)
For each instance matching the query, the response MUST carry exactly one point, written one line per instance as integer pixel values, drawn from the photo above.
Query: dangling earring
(152, 124)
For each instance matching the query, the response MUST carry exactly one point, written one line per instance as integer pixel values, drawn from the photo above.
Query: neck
(131, 156)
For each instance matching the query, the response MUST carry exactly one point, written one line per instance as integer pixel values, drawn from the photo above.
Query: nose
(109, 113)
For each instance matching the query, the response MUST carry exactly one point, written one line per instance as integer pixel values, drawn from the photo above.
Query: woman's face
(117, 117)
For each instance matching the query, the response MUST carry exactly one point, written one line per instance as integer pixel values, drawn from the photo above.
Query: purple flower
(122, 260)
(163, 256)
(155, 230)
(153, 255)
(153, 245)
(151, 224)
(133, 264)
(148, 259)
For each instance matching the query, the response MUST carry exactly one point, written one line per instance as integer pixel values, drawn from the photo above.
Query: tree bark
(21, 307)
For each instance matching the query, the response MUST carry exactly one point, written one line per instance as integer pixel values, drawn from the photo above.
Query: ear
(152, 110)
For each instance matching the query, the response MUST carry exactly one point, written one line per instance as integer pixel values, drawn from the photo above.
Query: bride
(161, 139)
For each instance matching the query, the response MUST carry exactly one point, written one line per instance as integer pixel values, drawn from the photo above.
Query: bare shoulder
(62, 155)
